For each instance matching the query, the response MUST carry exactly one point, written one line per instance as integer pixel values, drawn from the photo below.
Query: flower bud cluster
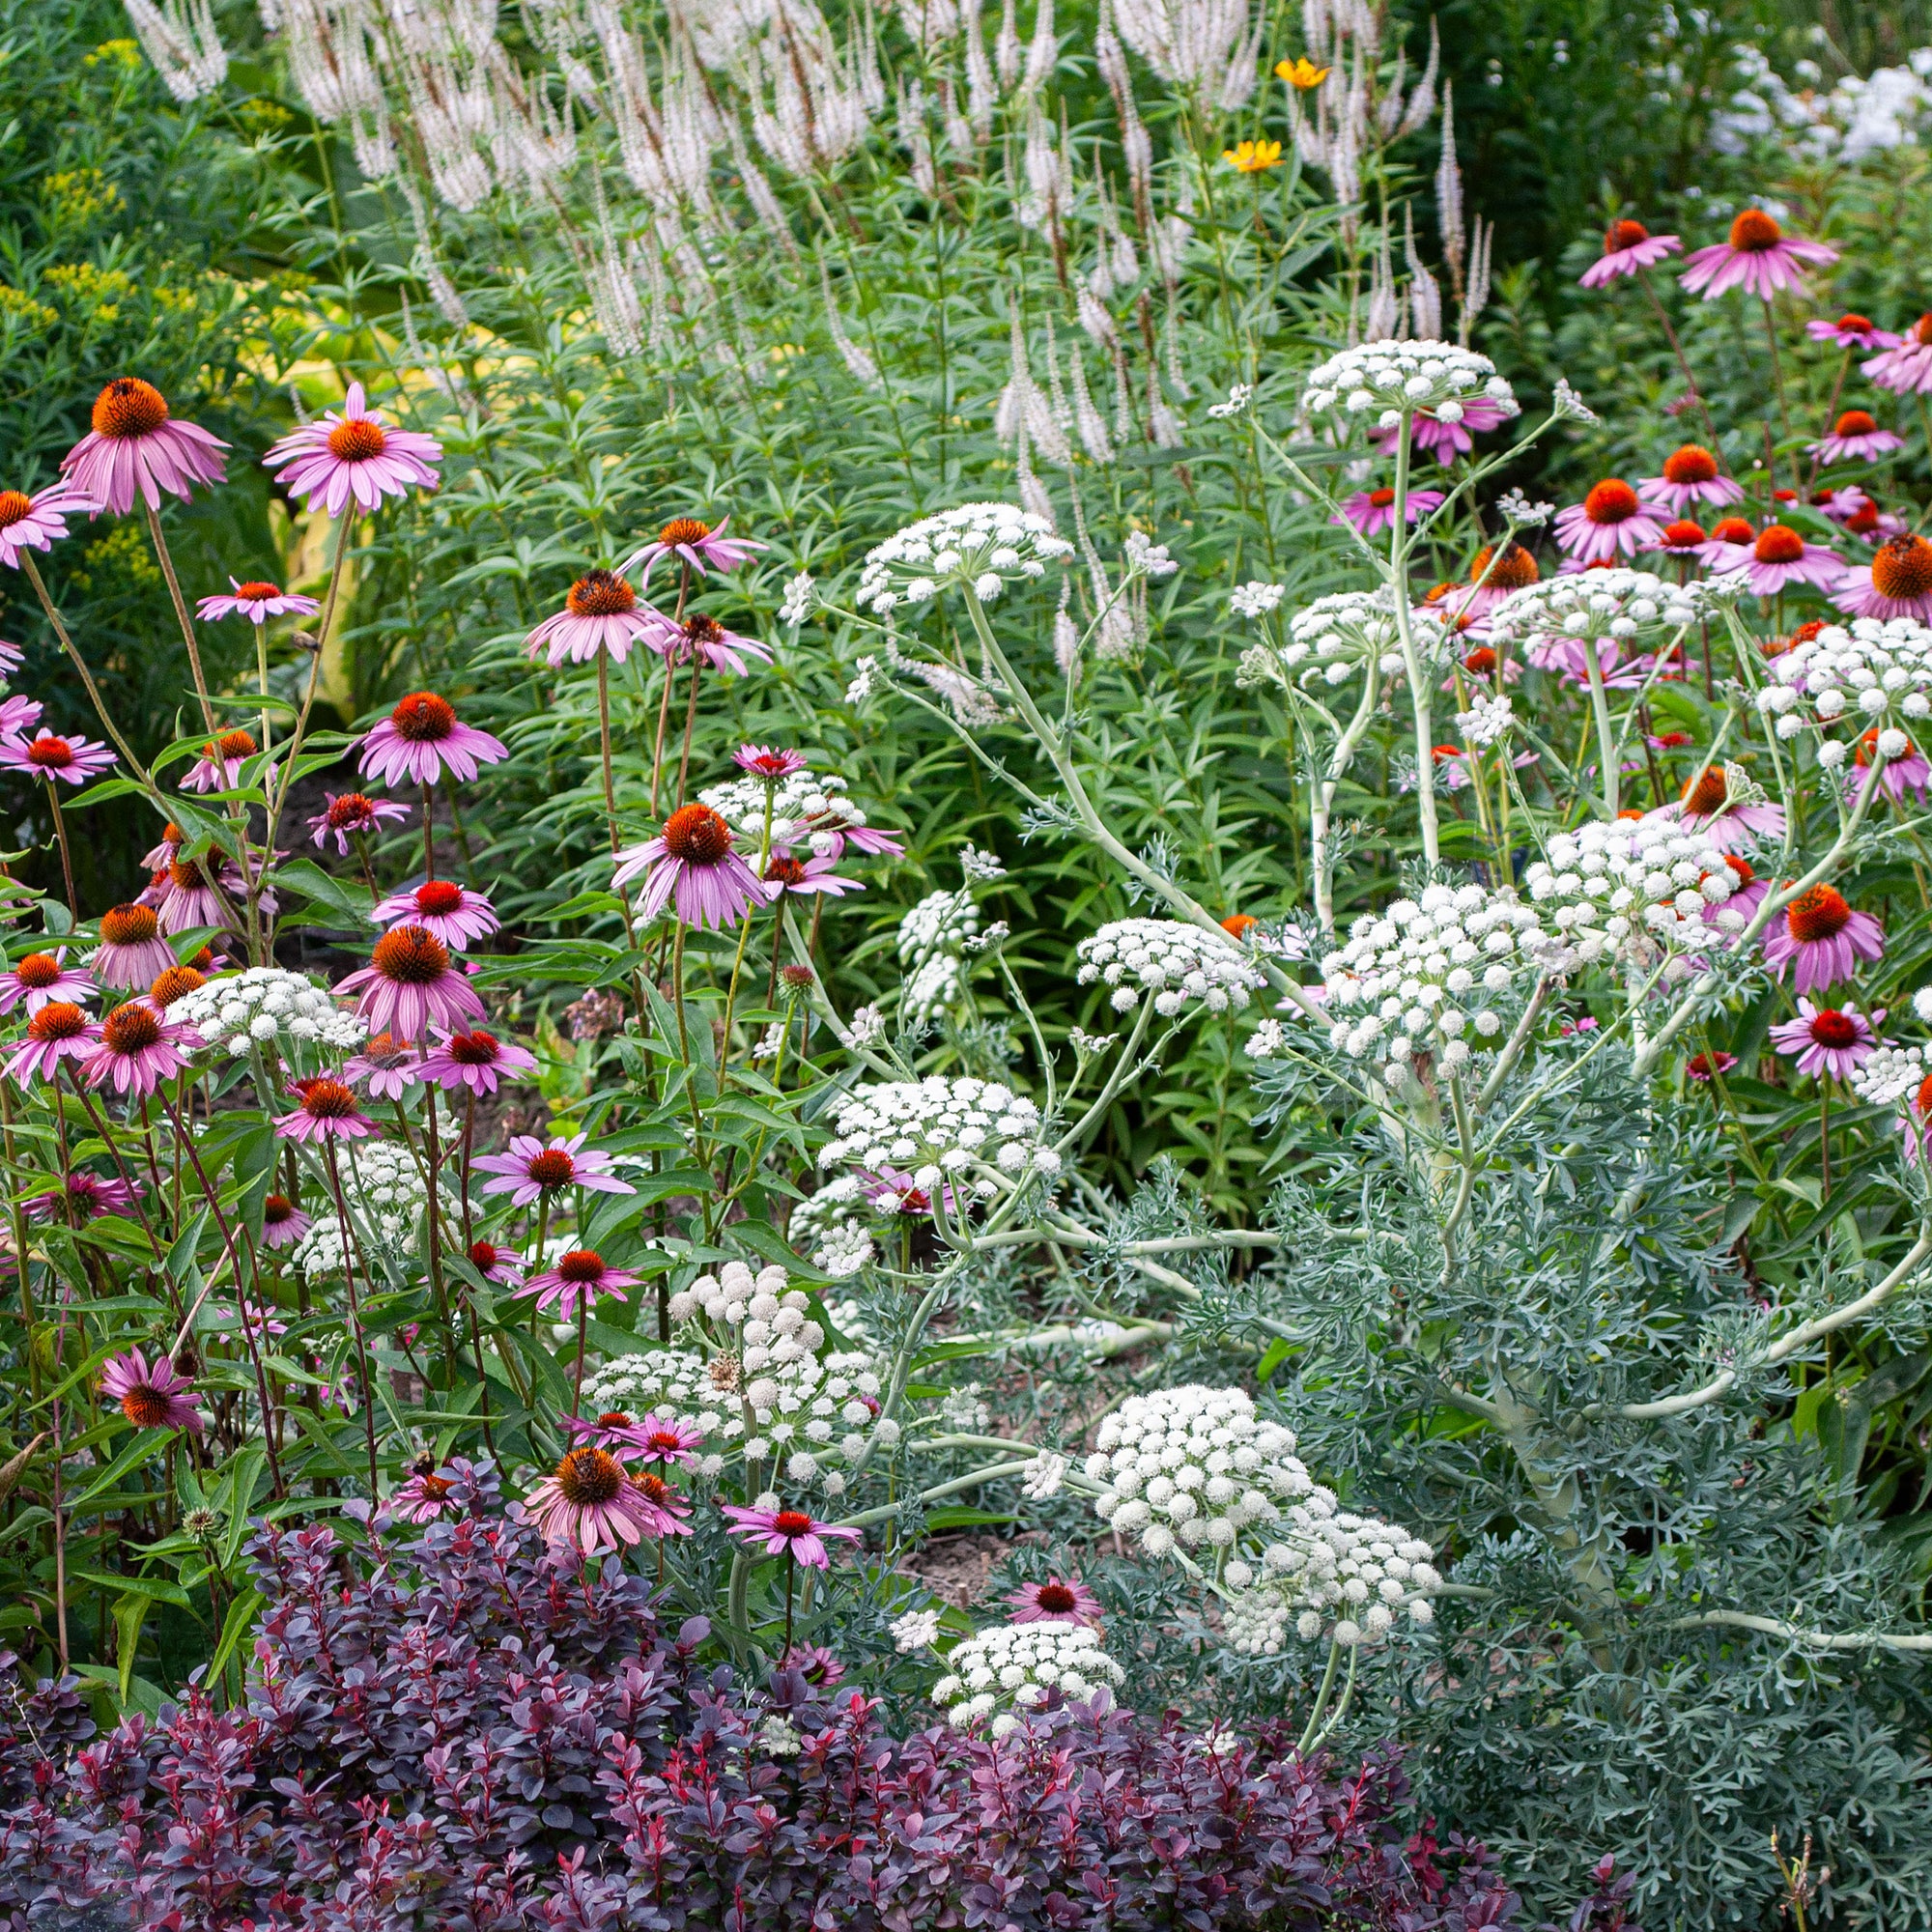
(1592, 605)
(810, 810)
(1329, 1572)
(383, 1188)
(1386, 377)
(1330, 641)
(1624, 889)
(932, 935)
(1890, 1074)
(983, 545)
(1016, 1666)
(938, 1127)
(1192, 1465)
(1176, 963)
(1419, 973)
(1867, 672)
(239, 1010)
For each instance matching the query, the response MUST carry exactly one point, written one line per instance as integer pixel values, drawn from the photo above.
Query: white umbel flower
(954, 1124)
(982, 545)
(1016, 1667)
(1380, 380)
(265, 1003)
(1180, 965)
(1890, 1074)
(1627, 888)
(1867, 674)
(1550, 619)
(1330, 1572)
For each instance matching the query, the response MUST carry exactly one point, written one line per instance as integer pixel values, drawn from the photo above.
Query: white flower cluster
(1256, 598)
(238, 1010)
(1176, 963)
(808, 809)
(383, 1188)
(932, 936)
(1591, 605)
(1016, 1665)
(1389, 377)
(1487, 720)
(978, 543)
(1192, 1465)
(939, 1127)
(1334, 1571)
(1867, 672)
(800, 594)
(671, 1382)
(1625, 888)
(916, 1630)
(1142, 557)
(1330, 641)
(1419, 968)
(1890, 1074)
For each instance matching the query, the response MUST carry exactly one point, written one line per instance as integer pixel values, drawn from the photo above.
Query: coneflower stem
(582, 1323)
(60, 836)
(1824, 1140)
(791, 1571)
(167, 564)
(356, 1318)
(1677, 350)
(429, 834)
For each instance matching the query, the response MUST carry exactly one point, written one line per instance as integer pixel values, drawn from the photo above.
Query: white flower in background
(1239, 399)
(869, 1025)
(1922, 1004)
(1383, 378)
(701, 1394)
(977, 866)
(1421, 976)
(801, 595)
(1089, 1043)
(1488, 721)
(844, 1251)
(1869, 673)
(1180, 965)
(1625, 888)
(1330, 641)
(870, 677)
(1890, 1074)
(1045, 1479)
(934, 987)
(383, 1188)
(1268, 1041)
(940, 923)
(810, 811)
(1329, 1572)
(1566, 402)
(236, 1010)
(1590, 605)
(916, 1630)
(1256, 598)
(1193, 1465)
(982, 545)
(949, 1125)
(1016, 1667)
(779, 1738)
(1143, 557)
(1516, 510)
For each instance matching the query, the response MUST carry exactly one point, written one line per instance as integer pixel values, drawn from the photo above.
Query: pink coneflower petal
(33, 523)
(580, 1280)
(1610, 521)
(421, 738)
(1822, 939)
(1373, 511)
(591, 1503)
(1055, 1602)
(138, 1048)
(601, 613)
(283, 1223)
(409, 985)
(351, 815)
(151, 1398)
(787, 1532)
(692, 863)
(1628, 246)
(41, 976)
(475, 1060)
(1828, 1042)
(457, 915)
(256, 601)
(325, 1109)
(1758, 257)
(75, 759)
(135, 447)
(531, 1167)
(697, 545)
(354, 457)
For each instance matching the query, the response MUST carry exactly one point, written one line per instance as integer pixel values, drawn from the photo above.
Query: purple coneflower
(219, 766)
(476, 1059)
(600, 613)
(349, 812)
(130, 954)
(1684, 538)
(1906, 367)
(1706, 807)
(41, 977)
(704, 639)
(591, 1503)
(1704, 1066)
(176, 983)
(138, 1048)
(529, 1168)
(1441, 440)
(188, 900)
(1777, 558)
(386, 1067)
(1851, 332)
(820, 1668)
(32, 523)
(1907, 772)
(421, 738)
(784, 1532)
(327, 1110)
(354, 455)
(455, 914)
(691, 859)
(158, 857)
(46, 756)
(19, 715)
(700, 545)
(1855, 438)
(1828, 1042)
(1057, 1600)
(1825, 938)
(1493, 577)
(613, 1430)
(257, 601)
(670, 1507)
(805, 877)
(1897, 582)
(409, 985)
(59, 1031)
(576, 1281)
(84, 1196)
(665, 1438)
(283, 1223)
(1373, 511)
(498, 1266)
(767, 762)
(423, 1498)
(156, 1398)
(1610, 521)
(1757, 257)
(1689, 477)
(134, 444)
(1628, 246)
